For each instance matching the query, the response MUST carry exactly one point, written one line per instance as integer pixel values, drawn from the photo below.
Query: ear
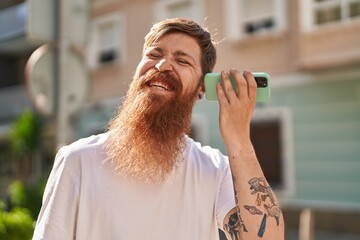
(201, 91)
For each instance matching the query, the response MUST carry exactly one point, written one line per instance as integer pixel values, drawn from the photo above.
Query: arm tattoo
(262, 226)
(253, 210)
(232, 227)
(265, 197)
(235, 225)
(242, 225)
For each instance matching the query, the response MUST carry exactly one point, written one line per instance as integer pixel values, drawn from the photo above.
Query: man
(144, 178)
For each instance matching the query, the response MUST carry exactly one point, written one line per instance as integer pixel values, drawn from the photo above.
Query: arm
(257, 214)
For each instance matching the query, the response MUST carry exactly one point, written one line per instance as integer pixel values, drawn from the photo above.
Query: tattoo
(242, 225)
(236, 199)
(232, 227)
(264, 198)
(253, 210)
(258, 185)
(262, 226)
(258, 200)
(274, 211)
(264, 195)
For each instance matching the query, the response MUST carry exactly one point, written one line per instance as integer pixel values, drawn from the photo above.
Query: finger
(228, 88)
(223, 101)
(251, 83)
(241, 84)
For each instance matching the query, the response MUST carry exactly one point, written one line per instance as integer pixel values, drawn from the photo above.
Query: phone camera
(261, 82)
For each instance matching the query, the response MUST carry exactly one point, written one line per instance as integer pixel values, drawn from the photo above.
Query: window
(178, 8)
(10, 66)
(271, 135)
(272, 138)
(323, 12)
(249, 17)
(13, 21)
(107, 43)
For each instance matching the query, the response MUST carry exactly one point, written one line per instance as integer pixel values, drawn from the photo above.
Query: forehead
(178, 42)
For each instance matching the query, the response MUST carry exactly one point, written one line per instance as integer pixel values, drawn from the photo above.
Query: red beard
(148, 133)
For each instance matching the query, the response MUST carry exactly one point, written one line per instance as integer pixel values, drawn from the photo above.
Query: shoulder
(206, 155)
(80, 150)
(84, 145)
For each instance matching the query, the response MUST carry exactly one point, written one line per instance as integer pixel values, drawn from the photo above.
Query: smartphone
(262, 80)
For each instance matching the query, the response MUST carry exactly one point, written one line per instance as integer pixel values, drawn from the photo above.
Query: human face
(179, 55)
(156, 110)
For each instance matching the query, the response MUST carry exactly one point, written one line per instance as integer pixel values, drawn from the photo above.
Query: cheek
(191, 86)
(144, 66)
(195, 81)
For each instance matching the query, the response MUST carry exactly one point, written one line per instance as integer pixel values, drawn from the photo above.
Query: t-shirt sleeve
(57, 217)
(226, 198)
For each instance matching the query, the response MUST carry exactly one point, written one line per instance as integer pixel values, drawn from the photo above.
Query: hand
(236, 107)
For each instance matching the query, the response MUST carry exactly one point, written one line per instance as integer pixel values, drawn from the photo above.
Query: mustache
(166, 78)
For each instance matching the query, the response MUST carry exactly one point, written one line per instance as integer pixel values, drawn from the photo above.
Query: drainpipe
(63, 124)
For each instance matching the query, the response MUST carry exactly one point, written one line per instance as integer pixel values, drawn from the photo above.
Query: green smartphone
(262, 80)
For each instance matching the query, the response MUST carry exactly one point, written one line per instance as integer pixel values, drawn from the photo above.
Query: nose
(164, 65)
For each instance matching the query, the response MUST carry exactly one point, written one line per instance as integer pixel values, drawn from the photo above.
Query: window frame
(283, 115)
(161, 9)
(233, 20)
(309, 17)
(94, 49)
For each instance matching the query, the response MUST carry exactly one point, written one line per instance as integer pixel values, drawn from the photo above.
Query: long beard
(147, 136)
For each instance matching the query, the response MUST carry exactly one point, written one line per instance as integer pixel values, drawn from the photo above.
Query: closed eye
(154, 55)
(183, 62)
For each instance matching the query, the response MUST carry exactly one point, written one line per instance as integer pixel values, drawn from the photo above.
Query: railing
(13, 21)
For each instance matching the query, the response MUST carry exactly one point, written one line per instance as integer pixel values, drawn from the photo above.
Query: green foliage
(16, 225)
(27, 196)
(24, 205)
(17, 216)
(17, 194)
(25, 133)
(2, 206)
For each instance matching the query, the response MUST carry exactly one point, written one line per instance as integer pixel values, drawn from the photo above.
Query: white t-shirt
(85, 199)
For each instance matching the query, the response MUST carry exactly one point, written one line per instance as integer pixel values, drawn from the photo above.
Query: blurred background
(65, 66)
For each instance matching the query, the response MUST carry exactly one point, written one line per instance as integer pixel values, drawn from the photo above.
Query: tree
(25, 139)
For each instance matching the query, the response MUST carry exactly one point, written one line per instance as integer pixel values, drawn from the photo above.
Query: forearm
(257, 214)
(258, 210)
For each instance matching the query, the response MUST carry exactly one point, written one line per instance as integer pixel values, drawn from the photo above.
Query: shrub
(27, 196)
(16, 224)
(25, 133)
(23, 207)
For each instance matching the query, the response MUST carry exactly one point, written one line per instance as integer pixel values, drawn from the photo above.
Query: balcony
(26, 25)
